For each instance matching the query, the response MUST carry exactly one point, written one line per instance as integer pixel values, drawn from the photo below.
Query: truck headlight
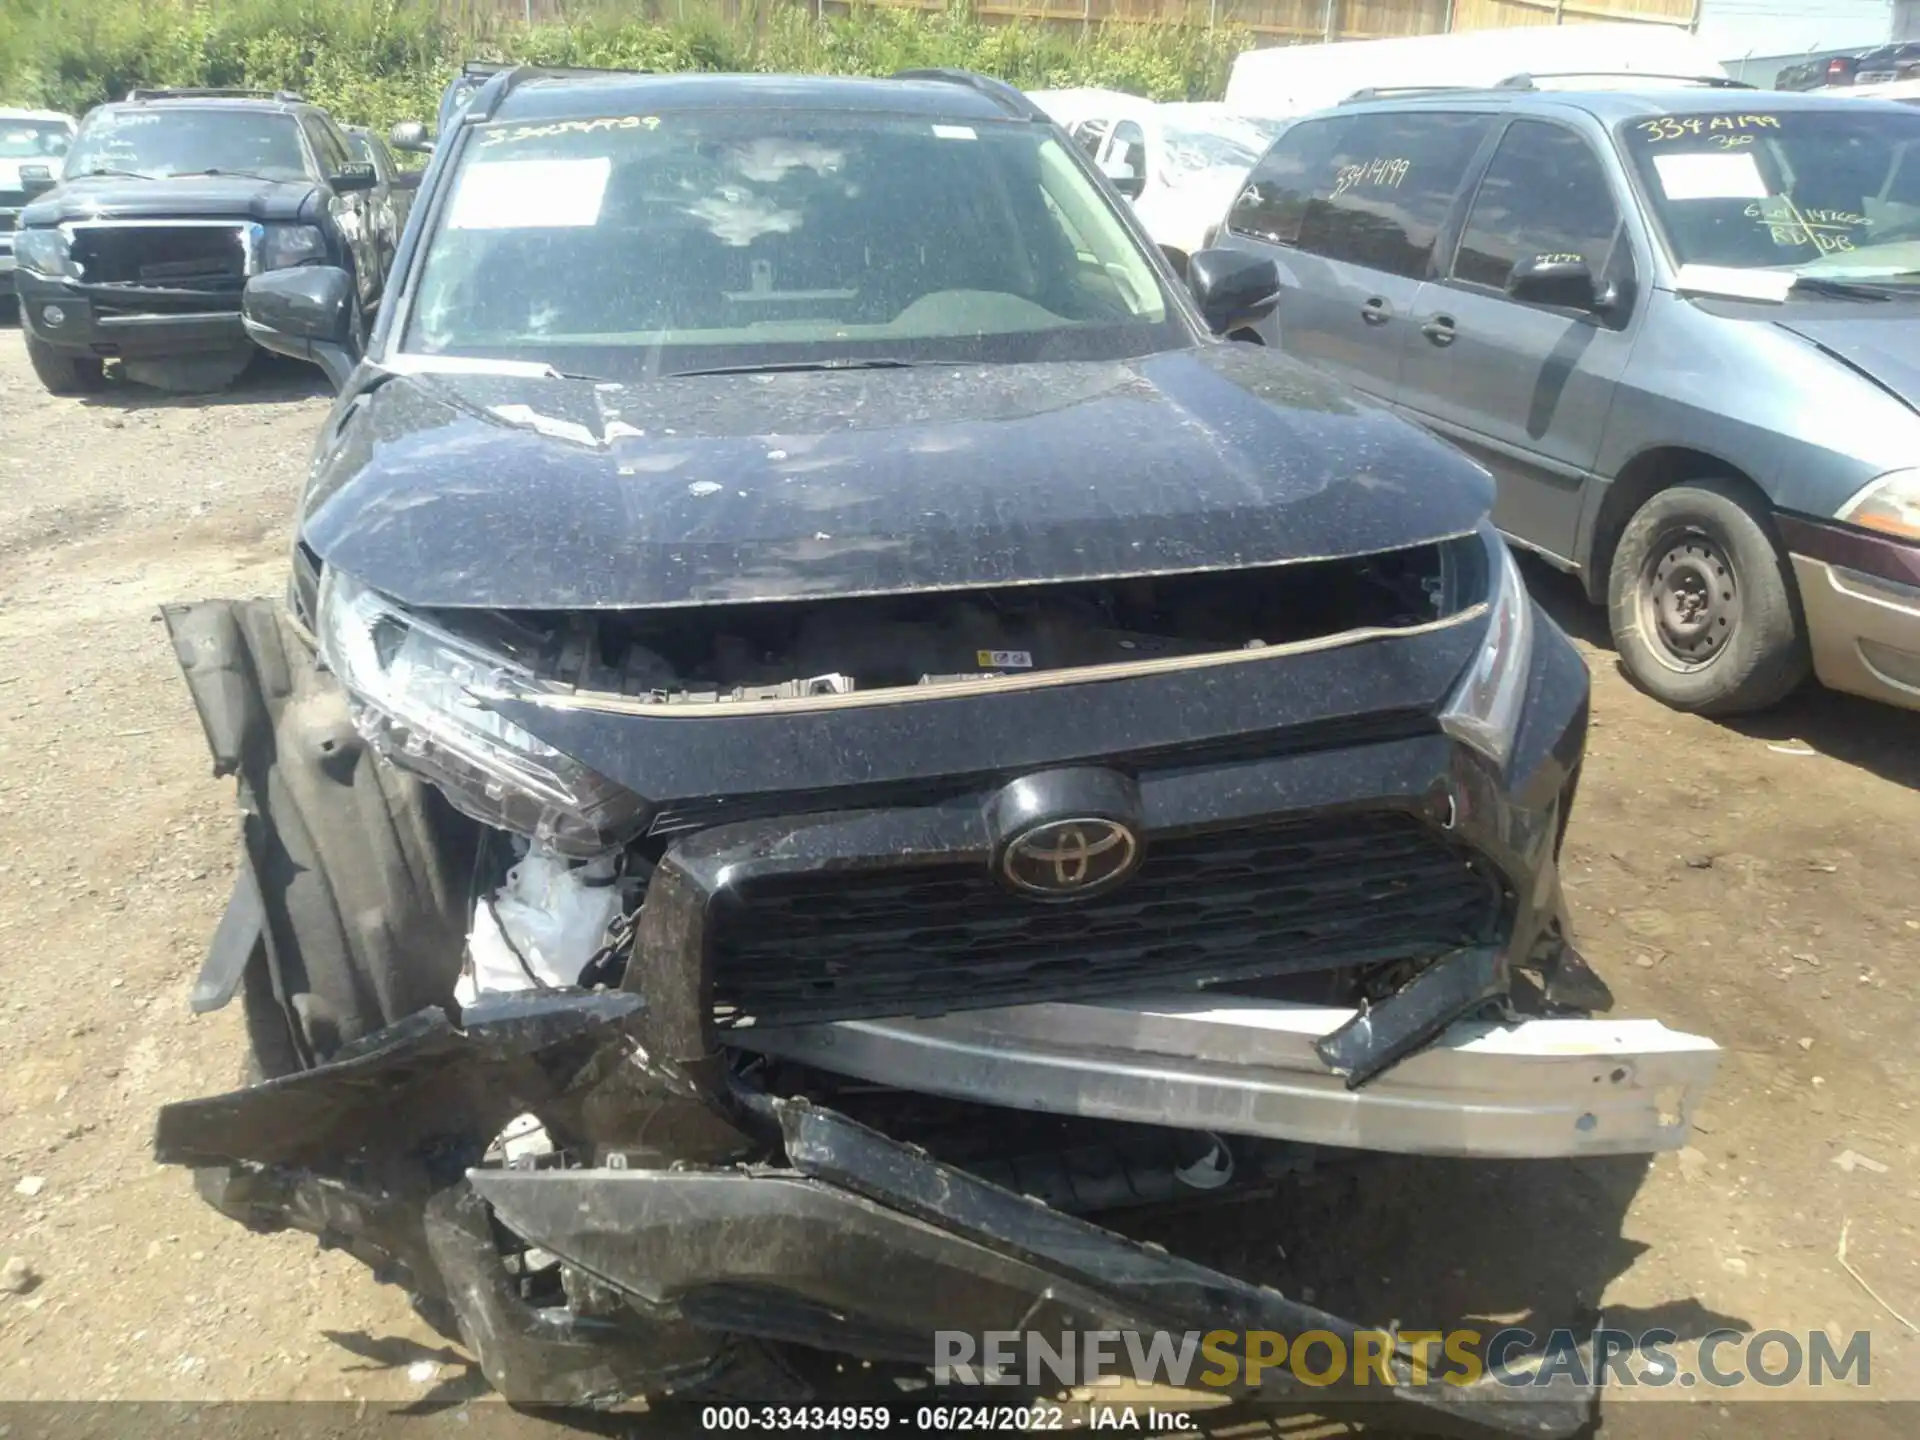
(46, 252)
(1890, 505)
(282, 246)
(420, 693)
(1484, 710)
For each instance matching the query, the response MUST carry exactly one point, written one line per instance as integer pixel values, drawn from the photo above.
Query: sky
(1785, 27)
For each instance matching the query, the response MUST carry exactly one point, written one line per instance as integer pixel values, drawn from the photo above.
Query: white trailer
(1294, 79)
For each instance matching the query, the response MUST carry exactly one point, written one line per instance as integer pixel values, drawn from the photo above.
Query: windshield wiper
(843, 363)
(117, 174)
(236, 174)
(1840, 289)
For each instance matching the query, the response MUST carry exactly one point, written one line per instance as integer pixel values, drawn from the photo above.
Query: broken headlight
(1484, 710)
(419, 693)
(46, 252)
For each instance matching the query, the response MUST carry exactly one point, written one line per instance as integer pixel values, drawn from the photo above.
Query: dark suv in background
(170, 201)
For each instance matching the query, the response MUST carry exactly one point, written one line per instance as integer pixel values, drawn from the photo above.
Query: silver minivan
(1680, 325)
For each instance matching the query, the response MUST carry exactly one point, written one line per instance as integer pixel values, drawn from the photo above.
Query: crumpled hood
(197, 197)
(501, 491)
(1885, 347)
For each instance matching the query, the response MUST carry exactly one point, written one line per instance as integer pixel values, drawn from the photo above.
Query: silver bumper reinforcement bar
(1541, 1088)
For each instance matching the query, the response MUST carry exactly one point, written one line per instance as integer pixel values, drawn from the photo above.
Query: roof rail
(1525, 80)
(484, 103)
(286, 97)
(1384, 92)
(1009, 98)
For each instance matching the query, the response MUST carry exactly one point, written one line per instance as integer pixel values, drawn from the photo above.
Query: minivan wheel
(1702, 604)
(61, 373)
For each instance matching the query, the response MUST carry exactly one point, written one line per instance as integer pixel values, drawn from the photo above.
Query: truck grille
(1230, 905)
(161, 256)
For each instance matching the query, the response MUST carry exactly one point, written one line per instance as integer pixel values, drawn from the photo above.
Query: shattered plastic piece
(1852, 1160)
(540, 928)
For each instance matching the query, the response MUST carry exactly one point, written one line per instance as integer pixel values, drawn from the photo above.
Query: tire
(1702, 604)
(64, 374)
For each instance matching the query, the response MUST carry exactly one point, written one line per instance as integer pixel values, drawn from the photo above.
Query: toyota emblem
(1070, 859)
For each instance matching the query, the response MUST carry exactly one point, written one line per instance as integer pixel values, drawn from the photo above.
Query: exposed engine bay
(785, 651)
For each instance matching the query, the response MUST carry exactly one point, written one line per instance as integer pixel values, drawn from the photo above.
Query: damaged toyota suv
(824, 729)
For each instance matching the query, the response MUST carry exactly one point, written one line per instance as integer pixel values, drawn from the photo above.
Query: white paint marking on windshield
(530, 194)
(954, 132)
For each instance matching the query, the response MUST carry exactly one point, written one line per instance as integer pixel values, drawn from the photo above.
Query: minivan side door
(1351, 206)
(1525, 389)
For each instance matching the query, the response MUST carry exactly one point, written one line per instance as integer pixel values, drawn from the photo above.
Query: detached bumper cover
(1536, 1088)
(840, 1238)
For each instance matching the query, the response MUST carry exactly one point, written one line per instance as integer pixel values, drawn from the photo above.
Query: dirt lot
(1758, 883)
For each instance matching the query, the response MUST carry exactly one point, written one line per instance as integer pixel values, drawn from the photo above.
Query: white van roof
(1294, 79)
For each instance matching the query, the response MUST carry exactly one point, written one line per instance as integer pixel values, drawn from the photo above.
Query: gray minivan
(1680, 325)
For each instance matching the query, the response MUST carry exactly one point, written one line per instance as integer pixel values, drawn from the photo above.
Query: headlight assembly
(282, 246)
(1484, 710)
(419, 694)
(1890, 505)
(45, 252)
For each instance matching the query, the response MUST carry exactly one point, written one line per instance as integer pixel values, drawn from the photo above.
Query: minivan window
(1378, 193)
(1274, 200)
(1545, 193)
(643, 246)
(1833, 190)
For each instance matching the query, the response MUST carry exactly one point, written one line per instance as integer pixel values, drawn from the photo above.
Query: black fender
(350, 911)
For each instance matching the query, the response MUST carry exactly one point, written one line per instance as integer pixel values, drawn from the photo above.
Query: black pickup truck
(170, 201)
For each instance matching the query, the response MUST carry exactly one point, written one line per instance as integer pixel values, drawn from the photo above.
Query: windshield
(1831, 192)
(167, 142)
(33, 139)
(644, 244)
(1230, 143)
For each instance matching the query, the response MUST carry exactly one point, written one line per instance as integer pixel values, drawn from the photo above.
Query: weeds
(378, 61)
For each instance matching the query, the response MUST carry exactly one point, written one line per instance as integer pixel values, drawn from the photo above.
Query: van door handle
(1376, 311)
(1439, 330)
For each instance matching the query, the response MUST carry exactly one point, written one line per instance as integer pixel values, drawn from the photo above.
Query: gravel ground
(1759, 883)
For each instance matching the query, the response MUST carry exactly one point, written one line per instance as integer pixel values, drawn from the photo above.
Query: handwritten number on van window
(1383, 172)
(1680, 127)
(1831, 232)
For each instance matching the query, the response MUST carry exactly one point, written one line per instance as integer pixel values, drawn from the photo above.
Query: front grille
(1225, 906)
(161, 256)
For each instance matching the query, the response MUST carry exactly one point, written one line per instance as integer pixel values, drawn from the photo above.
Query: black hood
(188, 197)
(489, 490)
(1883, 347)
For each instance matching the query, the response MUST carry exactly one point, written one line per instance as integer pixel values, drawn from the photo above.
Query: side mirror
(358, 176)
(1563, 281)
(305, 312)
(1233, 287)
(410, 136)
(1122, 177)
(36, 179)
